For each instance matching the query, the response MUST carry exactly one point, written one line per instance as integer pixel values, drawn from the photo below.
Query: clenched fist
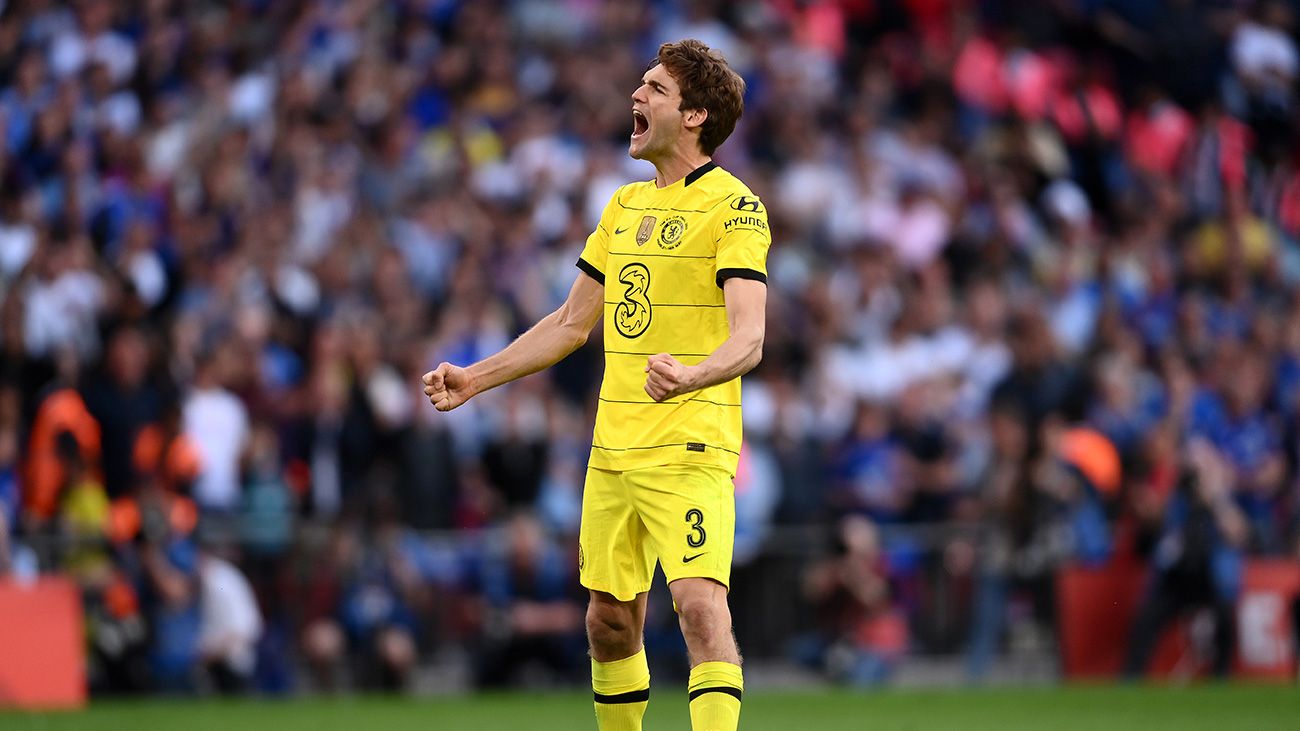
(666, 377)
(448, 386)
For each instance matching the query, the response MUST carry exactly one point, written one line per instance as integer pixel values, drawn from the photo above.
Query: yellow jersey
(663, 255)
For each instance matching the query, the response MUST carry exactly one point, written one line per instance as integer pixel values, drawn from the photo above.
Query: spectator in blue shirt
(1235, 419)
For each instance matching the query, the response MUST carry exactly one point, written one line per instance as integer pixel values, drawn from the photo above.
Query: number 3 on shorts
(697, 536)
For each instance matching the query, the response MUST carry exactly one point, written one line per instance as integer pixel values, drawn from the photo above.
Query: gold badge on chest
(647, 228)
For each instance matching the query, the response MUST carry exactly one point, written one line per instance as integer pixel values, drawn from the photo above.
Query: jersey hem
(622, 460)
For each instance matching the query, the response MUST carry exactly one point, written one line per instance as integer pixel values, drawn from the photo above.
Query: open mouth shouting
(640, 125)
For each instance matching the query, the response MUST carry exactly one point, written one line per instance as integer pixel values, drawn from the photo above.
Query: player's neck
(678, 165)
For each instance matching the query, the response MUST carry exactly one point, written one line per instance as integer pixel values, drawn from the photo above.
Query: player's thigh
(614, 553)
(690, 514)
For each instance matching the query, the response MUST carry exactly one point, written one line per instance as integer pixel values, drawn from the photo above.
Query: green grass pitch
(1107, 708)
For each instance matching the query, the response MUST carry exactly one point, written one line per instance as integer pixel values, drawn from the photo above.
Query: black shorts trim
(632, 696)
(733, 692)
(754, 274)
(591, 270)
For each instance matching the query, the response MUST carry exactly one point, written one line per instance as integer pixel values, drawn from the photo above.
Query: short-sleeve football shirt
(663, 255)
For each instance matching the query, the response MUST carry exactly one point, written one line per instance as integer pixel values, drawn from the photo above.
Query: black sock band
(632, 696)
(734, 692)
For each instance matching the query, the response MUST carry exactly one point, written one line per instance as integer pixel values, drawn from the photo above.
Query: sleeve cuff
(592, 271)
(754, 274)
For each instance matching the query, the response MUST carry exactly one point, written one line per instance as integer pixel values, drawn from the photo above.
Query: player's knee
(703, 615)
(610, 626)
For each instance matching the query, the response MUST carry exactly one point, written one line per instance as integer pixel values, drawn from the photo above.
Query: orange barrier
(1096, 607)
(42, 646)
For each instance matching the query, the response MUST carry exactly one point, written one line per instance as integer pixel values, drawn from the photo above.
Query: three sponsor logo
(632, 315)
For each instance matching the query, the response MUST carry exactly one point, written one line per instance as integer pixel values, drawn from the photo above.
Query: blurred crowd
(1032, 281)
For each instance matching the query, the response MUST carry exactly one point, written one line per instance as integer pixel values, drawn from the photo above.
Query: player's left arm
(746, 300)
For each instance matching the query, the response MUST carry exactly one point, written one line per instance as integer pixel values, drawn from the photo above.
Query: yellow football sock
(622, 692)
(715, 689)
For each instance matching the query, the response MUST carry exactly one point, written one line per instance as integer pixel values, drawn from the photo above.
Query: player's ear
(694, 118)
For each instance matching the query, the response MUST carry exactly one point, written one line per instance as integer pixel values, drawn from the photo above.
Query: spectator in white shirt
(230, 623)
(217, 421)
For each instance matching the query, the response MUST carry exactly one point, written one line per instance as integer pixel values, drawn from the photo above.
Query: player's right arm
(543, 345)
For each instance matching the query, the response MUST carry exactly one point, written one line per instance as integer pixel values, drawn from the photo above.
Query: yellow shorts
(682, 515)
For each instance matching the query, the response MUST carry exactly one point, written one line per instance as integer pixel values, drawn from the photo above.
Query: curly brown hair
(707, 82)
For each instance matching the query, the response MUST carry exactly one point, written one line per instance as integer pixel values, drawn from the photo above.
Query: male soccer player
(677, 268)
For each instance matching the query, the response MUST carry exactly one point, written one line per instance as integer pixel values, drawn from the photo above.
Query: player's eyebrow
(654, 85)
